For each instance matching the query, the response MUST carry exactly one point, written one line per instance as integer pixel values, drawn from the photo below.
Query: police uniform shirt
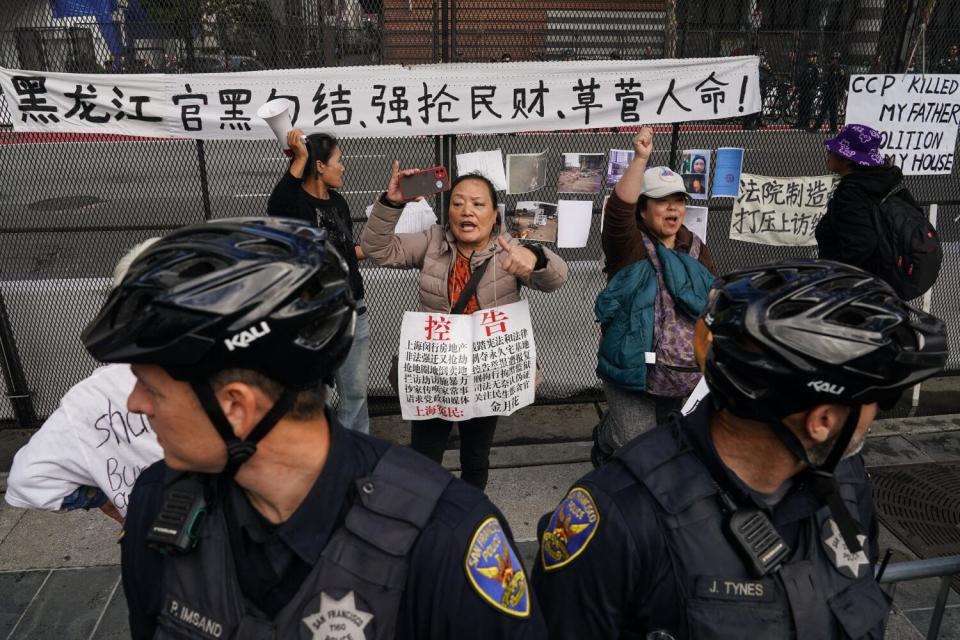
(617, 579)
(440, 599)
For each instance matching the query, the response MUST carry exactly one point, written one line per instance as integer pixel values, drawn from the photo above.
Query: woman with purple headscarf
(847, 232)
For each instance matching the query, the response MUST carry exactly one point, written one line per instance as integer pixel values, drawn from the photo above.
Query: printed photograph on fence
(726, 175)
(534, 221)
(526, 172)
(488, 164)
(460, 367)
(617, 165)
(581, 173)
(695, 169)
(696, 184)
(780, 211)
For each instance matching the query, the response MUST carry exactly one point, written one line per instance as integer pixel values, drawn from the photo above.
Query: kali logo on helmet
(245, 337)
(822, 386)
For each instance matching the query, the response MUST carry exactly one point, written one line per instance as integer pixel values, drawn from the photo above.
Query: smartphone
(425, 183)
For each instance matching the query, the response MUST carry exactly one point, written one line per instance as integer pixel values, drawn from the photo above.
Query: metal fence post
(13, 375)
(204, 186)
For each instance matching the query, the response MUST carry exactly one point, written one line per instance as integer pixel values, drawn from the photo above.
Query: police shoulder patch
(494, 570)
(570, 529)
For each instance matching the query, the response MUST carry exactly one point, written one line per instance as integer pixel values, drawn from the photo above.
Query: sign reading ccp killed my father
(917, 117)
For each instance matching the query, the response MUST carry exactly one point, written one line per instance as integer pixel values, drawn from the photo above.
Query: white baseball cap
(660, 182)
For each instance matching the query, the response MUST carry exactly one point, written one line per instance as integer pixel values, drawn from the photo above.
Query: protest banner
(779, 211)
(459, 367)
(917, 117)
(389, 100)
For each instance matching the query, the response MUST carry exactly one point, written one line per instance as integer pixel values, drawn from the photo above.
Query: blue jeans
(352, 376)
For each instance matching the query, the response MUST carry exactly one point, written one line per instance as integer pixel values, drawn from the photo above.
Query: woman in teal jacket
(659, 277)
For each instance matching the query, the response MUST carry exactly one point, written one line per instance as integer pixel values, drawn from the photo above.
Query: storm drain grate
(920, 504)
(64, 204)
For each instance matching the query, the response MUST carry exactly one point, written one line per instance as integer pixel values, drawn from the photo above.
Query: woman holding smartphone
(469, 246)
(307, 191)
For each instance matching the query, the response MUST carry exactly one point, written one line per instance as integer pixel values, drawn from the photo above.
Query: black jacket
(846, 232)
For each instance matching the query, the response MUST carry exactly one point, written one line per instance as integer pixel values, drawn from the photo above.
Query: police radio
(176, 529)
(754, 537)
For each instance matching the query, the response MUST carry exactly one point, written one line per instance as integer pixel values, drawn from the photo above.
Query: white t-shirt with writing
(90, 440)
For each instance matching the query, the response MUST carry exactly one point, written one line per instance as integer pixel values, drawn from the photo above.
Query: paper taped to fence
(779, 211)
(389, 100)
(917, 117)
(459, 367)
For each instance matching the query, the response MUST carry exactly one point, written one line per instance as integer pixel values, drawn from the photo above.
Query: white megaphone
(276, 113)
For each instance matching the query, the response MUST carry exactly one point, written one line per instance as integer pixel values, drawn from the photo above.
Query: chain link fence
(70, 206)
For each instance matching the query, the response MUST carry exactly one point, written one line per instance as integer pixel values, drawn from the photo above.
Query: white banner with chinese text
(917, 117)
(459, 367)
(390, 100)
(780, 211)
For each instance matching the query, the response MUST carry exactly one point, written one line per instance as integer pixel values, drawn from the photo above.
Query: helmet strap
(239, 451)
(821, 479)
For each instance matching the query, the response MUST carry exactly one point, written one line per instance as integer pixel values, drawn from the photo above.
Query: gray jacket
(433, 252)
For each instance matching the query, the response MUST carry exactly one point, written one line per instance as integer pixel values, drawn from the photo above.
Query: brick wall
(486, 29)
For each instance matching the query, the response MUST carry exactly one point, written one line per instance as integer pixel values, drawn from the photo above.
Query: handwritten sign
(388, 100)
(917, 117)
(91, 440)
(459, 367)
(125, 448)
(779, 211)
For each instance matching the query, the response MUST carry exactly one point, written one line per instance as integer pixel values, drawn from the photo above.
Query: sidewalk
(59, 573)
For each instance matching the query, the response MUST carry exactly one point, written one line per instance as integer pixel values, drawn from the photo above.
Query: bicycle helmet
(825, 331)
(266, 294)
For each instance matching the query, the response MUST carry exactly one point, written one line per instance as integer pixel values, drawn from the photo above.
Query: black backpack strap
(896, 189)
(470, 289)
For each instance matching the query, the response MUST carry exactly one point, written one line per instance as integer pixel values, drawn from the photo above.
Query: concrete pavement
(59, 573)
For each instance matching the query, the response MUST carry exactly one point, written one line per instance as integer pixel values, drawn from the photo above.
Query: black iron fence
(70, 206)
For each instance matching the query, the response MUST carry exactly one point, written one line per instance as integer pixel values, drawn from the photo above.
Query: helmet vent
(264, 248)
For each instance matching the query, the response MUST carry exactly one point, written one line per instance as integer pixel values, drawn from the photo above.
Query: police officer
(950, 63)
(808, 82)
(267, 518)
(834, 87)
(739, 520)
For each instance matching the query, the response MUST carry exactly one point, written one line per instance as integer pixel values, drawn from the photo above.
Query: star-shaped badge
(338, 618)
(853, 565)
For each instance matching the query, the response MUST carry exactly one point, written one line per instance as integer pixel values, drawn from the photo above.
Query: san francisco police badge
(494, 570)
(570, 529)
(848, 563)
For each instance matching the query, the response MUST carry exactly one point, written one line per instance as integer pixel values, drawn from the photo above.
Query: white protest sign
(92, 439)
(573, 219)
(388, 100)
(779, 211)
(917, 117)
(459, 367)
(489, 164)
(695, 219)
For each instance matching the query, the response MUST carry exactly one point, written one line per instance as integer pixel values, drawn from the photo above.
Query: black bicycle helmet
(790, 336)
(266, 294)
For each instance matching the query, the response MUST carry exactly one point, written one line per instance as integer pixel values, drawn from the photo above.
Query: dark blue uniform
(462, 576)
(638, 547)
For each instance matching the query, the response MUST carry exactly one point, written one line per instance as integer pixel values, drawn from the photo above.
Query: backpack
(908, 249)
